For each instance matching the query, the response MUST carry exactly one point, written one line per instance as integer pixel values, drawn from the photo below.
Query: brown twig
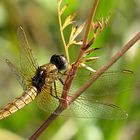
(89, 23)
(90, 20)
(49, 120)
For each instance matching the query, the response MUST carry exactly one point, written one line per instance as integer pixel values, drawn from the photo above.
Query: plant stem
(62, 36)
(45, 125)
(90, 20)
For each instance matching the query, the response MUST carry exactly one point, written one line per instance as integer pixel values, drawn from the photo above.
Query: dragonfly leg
(61, 81)
(63, 73)
(55, 91)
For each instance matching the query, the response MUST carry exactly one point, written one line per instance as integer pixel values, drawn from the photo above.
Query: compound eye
(59, 61)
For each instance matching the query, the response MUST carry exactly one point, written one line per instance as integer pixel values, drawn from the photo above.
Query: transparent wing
(93, 109)
(108, 84)
(82, 107)
(28, 63)
(46, 100)
(22, 79)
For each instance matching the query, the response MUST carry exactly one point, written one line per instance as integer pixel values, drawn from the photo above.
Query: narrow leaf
(77, 42)
(91, 59)
(91, 50)
(71, 35)
(77, 31)
(68, 20)
(63, 9)
(87, 67)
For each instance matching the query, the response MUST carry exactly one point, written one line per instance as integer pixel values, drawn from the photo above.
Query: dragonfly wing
(28, 63)
(24, 82)
(87, 109)
(47, 99)
(81, 108)
(108, 83)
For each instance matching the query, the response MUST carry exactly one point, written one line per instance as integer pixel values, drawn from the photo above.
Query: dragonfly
(45, 85)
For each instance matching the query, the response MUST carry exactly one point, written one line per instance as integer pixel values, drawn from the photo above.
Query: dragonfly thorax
(51, 73)
(48, 73)
(45, 74)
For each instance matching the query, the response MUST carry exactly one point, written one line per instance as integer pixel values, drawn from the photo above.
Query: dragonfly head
(59, 61)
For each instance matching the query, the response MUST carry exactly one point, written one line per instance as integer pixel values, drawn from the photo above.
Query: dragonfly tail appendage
(18, 103)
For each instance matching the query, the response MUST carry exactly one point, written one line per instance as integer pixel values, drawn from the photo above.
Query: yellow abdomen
(18, 103)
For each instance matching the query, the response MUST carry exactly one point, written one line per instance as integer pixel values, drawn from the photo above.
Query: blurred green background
(39, 20)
